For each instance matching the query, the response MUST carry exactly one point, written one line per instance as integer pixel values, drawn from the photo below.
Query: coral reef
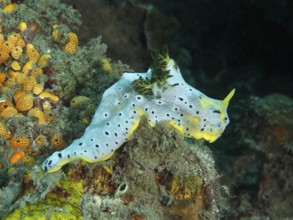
(38, 80)
(41, 99)
(139, 181)
(50, 85)
(243, 44)
(262, 176)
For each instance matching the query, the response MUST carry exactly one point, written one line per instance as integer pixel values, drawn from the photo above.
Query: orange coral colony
(29, 83)
(4, 105)
(19, 142)
(51, 96)
(71, 44)
(22, 26)
(57, 141)
(36, 112)
(8, 112)
(72, 37)
(43, 61)
(2, 77)
(38, 88)
(40, 140)
(23, 77)
(70, 47)
(16, 157)
(32, 54)
(25, 102)
(16, 52)
(9, 8)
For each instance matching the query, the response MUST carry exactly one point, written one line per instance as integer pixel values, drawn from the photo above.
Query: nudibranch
(160, 94)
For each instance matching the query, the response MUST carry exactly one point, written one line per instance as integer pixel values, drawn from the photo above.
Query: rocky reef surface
(158, 174)
(50, 85)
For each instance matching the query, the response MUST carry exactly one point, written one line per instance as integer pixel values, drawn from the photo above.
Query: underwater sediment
(50, 87)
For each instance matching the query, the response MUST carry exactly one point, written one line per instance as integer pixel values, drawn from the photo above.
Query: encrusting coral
(19, 142)
(25, 102)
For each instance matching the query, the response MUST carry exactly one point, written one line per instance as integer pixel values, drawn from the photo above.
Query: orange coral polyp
(56, 35)
(7, 46)
(11, 82)
(38, 88)
(22, 26)
(40, 140)
(80, 102)
(27, 67)
(51, 96)
(36, 112)
(15, 66)
(32, 54)
(29, 83)
(13, 38)
(16, 52)
(18, 94)
(5, 104)
(16, 157)
(37, 72)
(9, 8)
(48, 117)
(21, 141)
(20, 77)
(57, 141)
(8, 112)
(2, 77)
(70, 47)
(43, 61)
(72, 37)
(13, 74)
(21, 43)
(4, 56)
(47, 105)
(25, 102)
(7, 135)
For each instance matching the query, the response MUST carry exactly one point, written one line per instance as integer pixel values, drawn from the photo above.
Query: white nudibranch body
(188, 110)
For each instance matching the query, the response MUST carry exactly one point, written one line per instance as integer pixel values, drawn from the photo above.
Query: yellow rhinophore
(228, 98)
